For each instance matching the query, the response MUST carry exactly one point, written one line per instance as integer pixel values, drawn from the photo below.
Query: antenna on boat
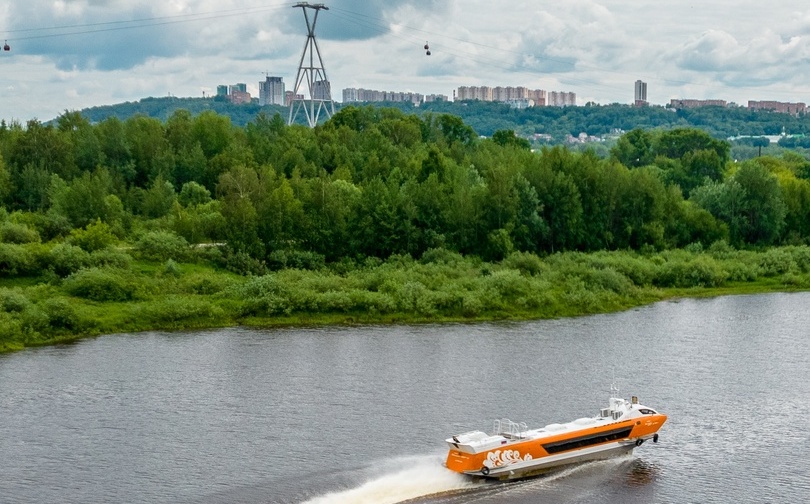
(614, 389)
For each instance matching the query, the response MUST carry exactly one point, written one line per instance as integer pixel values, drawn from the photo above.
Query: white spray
(416, 477)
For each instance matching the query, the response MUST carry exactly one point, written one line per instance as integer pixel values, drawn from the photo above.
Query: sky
(72, 54)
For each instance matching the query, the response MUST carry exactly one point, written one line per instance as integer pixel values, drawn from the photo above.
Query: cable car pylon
(311, 73)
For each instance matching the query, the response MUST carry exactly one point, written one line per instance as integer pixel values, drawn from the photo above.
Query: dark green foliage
(158, 199)
(65, 259)
(634, 149)
(507, 138)
(102, 284)
(193, 193)
(281, 259)
(12, 300)
(205, 284)
(527, 263)
(110, 257)
(86, 199)
(161, 246)
(11, 232)
(61, 315)
(702, 271)
(243, 264)
(21, 260)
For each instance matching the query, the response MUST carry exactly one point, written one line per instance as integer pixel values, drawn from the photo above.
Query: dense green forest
(193, 221)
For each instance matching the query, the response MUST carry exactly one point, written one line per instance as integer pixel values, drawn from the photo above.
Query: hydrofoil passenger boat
(513, 451)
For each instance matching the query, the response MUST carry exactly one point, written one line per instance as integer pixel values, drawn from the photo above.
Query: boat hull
(541, 466)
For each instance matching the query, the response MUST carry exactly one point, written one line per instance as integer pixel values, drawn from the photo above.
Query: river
(359, 414)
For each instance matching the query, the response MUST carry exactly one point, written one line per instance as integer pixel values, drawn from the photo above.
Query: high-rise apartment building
(641, 93)
(271, 91)
(562, 99)
(321, 90)
(516, 96)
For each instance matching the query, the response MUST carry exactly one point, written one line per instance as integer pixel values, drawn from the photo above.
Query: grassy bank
(136, 294)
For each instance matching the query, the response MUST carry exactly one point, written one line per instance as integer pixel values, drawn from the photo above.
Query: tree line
(377, 182)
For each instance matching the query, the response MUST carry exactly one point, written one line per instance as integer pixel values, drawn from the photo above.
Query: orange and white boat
(514, 451)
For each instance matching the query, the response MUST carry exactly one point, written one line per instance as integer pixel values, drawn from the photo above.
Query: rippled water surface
(359, 414)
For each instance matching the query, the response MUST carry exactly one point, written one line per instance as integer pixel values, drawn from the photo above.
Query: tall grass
(81, 293)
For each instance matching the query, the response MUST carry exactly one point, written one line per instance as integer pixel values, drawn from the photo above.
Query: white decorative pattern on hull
(500, 458)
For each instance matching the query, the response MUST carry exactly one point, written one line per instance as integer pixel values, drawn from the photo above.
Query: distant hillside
(163, 108)
(488, 117)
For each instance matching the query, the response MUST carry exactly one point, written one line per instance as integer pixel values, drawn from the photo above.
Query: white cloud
(108, 51)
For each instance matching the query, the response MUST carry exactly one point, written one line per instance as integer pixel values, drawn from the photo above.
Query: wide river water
(359, 414)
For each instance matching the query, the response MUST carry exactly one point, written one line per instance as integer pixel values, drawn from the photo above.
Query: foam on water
(402, 479)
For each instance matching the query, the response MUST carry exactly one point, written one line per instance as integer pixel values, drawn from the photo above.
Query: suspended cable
(107, 26)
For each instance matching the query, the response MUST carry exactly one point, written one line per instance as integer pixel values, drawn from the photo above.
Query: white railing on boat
(509, 429)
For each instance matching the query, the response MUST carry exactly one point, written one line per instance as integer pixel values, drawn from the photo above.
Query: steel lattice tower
(312, 75)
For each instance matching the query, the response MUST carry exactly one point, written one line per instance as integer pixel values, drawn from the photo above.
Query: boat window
(645, 411)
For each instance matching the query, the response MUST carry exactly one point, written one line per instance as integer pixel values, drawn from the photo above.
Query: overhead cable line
(131, 24)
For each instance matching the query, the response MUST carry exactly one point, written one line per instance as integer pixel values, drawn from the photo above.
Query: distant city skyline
(70, 55)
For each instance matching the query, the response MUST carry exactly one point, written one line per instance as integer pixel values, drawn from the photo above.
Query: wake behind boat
(513, 451)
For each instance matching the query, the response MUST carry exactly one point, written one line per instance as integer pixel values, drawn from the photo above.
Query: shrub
(65, 259)
(526, 262)
(506, 284)
(162, 245)
(776, 261)
(721, 249)
(11, 232)
(110, 258)
(243, 264)
(173, 310)
(102, 284)
(305, 260)
(13, 301)
(96, 236)
(19, 260)
(441, 256)
(11, 332)
(171, 268)
(739, 271)
(699, 272)
(802, 257)
(414, 297)
(205, 283)
(61, 314)
(608, 279)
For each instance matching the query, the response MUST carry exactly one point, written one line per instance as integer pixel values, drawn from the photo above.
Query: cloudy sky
(71, 54)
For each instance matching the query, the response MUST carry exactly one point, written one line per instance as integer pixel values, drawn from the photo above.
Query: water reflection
(641, 473)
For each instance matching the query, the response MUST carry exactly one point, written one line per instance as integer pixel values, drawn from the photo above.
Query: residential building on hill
(684, 103)
(776, 106)
(360, 95)
(518, 96)
(235, 93)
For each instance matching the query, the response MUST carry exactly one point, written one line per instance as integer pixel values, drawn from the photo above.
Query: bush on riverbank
(106, 292)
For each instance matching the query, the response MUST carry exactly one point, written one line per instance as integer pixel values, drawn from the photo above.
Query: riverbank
(442, 286)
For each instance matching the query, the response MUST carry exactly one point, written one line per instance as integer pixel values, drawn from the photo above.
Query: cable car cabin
(6, 47)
